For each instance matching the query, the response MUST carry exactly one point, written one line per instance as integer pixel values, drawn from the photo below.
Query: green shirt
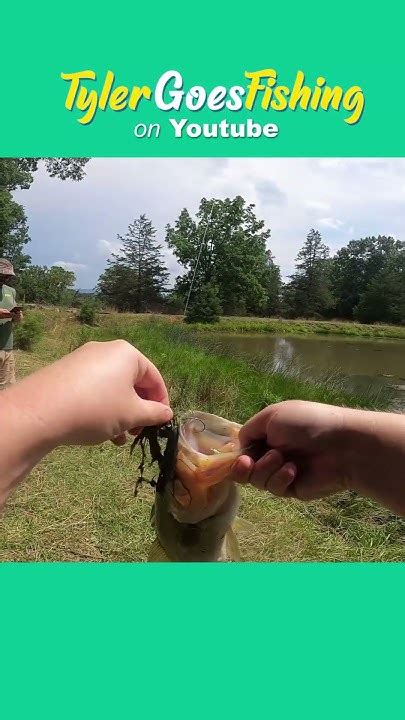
(7, 301)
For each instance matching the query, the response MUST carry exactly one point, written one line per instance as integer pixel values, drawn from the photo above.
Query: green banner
(214, 81)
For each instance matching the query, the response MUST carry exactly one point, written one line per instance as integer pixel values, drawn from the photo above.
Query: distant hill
(86, 291)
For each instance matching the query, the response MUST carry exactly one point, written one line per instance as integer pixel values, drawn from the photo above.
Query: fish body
(208, 539)
(196, 501)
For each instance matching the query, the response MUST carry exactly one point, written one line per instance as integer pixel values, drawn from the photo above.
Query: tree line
(230, 270)
(227, 266)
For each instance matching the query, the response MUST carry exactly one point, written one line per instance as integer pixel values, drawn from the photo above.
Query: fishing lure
(166, 458)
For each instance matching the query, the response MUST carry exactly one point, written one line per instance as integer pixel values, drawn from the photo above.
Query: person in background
(7, 317)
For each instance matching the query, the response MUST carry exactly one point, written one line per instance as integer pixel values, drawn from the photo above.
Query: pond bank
(279, 326)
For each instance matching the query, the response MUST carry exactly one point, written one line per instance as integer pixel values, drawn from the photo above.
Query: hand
(17, 316)
(5, 314)
(95, 393)
(307, 450)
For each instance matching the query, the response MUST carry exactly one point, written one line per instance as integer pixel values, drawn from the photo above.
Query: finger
(264, 468)
(135, 431)
(242, 469)
(280, 482)
(149, 383)
(119, 439)
(255, 428)
(148, 413)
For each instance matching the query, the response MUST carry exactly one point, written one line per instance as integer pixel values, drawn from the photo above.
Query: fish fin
(157, 553)
(232, 546)
(243, 527)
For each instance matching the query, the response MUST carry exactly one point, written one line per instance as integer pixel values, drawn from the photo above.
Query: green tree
(359, 267)
(230, 245)
(205, 307)
(274, 286)
(17, 173)
(40, 284)
(308, 293)
(383, 300)
(136, 277)
(13, 231)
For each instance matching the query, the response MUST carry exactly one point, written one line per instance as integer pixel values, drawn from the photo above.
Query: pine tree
(205, 306)
(136, 277)
(309, 294)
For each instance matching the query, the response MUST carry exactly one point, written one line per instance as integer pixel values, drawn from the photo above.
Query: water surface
(364, 363)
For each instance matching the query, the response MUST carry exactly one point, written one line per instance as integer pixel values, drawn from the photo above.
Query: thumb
(149, 412)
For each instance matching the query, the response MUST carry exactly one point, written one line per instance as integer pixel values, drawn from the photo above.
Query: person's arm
(17, 315)
(5, 314)
(94, 394)
(315, 450)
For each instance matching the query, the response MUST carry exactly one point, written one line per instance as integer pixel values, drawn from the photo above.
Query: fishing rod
(198, 258)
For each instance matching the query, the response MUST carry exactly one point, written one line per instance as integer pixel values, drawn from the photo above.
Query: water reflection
(364, 364)
(283, 354)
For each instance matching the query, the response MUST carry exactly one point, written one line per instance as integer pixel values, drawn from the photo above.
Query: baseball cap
(6, 267)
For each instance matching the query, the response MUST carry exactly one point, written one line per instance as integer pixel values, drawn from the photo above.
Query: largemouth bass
(196, 501)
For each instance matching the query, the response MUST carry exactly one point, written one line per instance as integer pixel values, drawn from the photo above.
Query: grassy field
(78, 505)
(281, 326)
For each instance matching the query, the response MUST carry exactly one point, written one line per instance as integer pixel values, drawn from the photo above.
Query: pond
(364, 364)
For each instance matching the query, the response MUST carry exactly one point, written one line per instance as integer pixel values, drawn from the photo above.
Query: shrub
(206, 306)
(88, 312)
(28, 332)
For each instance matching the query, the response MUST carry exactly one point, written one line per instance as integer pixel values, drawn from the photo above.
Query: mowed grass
(78, 504)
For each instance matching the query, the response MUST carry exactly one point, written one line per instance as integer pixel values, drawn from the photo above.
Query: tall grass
(207, 379)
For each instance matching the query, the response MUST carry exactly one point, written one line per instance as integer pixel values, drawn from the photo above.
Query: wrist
(24, 440)
(357, 446)
(357, 439)
(376, 457)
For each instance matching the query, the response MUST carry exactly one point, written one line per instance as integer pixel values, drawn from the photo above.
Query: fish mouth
(208, 446)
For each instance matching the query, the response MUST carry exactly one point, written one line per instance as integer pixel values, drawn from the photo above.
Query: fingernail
(168, 413)
(291, 470)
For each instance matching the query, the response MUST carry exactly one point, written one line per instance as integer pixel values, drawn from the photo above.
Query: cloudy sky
(76, 224)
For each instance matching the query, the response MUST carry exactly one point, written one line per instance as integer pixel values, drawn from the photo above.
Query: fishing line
(198, 258)
(196, 419)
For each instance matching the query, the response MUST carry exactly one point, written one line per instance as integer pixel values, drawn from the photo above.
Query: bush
(206, 306)
(175, 304)
(28, 332)
(88, 312)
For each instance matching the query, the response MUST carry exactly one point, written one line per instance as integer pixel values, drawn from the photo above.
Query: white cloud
(332, 223)
(107, 247)
(345, 198)
(269, 193)
(317, 205)
(69, 265)
(331, 163)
